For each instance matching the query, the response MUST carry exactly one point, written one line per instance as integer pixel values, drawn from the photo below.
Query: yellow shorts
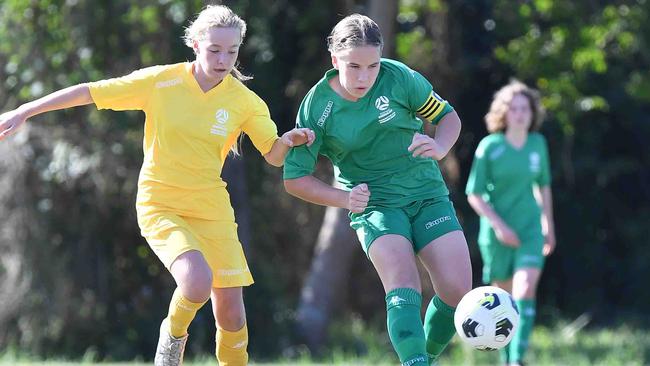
(170, 235)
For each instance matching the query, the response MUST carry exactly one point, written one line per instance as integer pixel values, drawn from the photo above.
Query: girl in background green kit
(509, 187)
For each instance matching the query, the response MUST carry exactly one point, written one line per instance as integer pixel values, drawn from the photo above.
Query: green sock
(519, 343)
(504, 354)
(438, 327)
(405, 326)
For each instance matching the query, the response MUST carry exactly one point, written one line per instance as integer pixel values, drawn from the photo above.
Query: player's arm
(445, 136)
(314, 190)
(544, 198)
(448, 131)
(289, 139)
(503, 232)
(65, 98)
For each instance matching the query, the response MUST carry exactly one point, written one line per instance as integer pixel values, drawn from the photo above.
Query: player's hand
(506, 235)
(426, 147)
(298, 136)
(549, 244)
(9, 122)
(358, 198)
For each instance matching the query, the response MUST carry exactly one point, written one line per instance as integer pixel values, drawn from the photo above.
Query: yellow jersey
(187, 135)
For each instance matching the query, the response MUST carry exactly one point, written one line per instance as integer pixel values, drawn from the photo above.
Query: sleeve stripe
(430, 114)
(426, 104)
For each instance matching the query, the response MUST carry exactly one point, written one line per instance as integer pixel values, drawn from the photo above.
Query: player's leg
(524, 287)
(393, 258)
(441, 246)
(385, 234)
(192, 274)
(232, 332)
(173, 240)
(226, 257)
(528, 265)
(498, 267)
(447, 261)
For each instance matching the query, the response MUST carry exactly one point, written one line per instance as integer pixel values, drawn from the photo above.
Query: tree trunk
(384, 13)
(329, 271)
(16, 216)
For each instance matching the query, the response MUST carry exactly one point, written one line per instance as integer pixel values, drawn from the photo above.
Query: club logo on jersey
(534, 162)
(219, 128)
(326, 113)
(381, 103)
(385, 112)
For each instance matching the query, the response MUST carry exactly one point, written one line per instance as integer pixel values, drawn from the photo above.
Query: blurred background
(77, 279)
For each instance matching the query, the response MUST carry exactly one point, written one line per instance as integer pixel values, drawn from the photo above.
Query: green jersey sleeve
(478, 176)
(544, 178)
(301, 160)
(421, 98)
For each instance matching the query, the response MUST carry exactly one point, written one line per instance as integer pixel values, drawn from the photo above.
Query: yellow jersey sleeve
(260, 128)
(130, 92)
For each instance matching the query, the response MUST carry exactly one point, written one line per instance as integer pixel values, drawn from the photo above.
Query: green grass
(562, 344)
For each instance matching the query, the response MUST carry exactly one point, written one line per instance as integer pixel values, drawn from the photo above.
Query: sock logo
(395, 300)
(240, 345)
(412, 361)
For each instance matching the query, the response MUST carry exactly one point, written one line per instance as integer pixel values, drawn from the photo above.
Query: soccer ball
(486, 318)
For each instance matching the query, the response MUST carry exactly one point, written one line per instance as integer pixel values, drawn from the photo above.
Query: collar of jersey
(189, 78)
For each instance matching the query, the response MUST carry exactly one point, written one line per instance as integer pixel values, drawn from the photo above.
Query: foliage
(95, 288)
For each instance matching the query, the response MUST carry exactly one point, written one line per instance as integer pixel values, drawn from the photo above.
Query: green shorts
(420, 222)
(500, 262)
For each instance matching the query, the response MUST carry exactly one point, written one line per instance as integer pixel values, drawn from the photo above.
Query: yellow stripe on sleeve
(431, 108)
(426, 104)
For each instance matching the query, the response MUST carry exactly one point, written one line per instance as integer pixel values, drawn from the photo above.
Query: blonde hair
(355, 30)
(495, 119)
(212, 16)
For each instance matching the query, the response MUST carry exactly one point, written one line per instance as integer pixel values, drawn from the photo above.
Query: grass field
(560, 345)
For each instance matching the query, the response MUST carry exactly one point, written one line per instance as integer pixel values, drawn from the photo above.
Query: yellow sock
(181, 313)
(232, 346)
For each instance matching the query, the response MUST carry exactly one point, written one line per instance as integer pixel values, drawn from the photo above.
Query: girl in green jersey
(509, 187)
(364, 114)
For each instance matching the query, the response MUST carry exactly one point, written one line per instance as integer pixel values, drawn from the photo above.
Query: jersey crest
(219, 127)
(534, 162)
(385, 112)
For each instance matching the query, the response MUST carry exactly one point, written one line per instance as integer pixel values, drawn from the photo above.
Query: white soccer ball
(486, 318)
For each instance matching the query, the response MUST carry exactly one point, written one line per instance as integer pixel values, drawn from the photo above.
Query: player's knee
(197, 283)
(230, 313)
(455, 294)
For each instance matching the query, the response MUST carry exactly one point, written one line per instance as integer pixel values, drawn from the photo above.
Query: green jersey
(504, 176)
(367, 140)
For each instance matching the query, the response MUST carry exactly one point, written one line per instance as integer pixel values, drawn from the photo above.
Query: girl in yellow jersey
(195, 112)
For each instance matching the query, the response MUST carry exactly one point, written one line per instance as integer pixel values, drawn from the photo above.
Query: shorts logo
(326, 113)
(437, 221)
(219, 128)
(385, 112)
(232, 272)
